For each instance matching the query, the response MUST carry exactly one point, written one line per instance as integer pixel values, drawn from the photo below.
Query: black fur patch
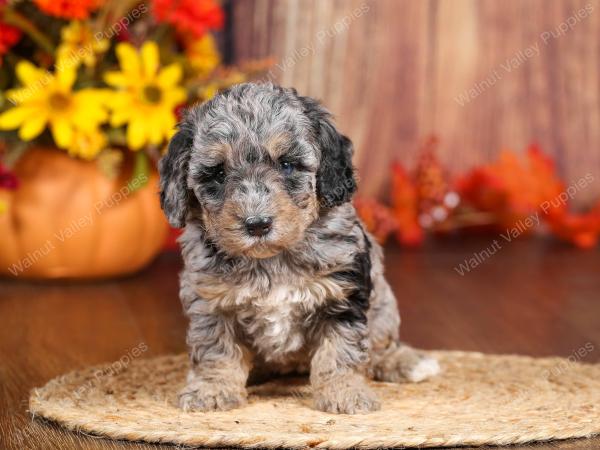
(294, 185)
(335, 177)
(175, 197)
(333, 237)
(213, 190)
(253, 155)
(299, 188)
(219, 261)
(354, 310)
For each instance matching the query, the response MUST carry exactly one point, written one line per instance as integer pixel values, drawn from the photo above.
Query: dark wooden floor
(533, 297)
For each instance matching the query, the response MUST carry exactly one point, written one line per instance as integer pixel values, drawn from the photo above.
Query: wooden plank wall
(481, 74)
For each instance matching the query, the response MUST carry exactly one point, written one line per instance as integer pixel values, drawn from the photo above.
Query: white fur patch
(277, 322)
(425, 368)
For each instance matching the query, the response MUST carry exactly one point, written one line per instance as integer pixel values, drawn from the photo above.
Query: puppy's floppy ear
(335, 177)
(175, 196)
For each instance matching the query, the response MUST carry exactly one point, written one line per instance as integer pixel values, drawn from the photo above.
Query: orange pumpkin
(67, 219)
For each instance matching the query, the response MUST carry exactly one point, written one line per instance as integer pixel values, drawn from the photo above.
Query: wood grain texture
(397, 71)
(545, 305)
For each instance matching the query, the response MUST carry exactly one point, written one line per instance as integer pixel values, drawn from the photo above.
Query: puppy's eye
(287, 167)
(216, 174)
(220, 175)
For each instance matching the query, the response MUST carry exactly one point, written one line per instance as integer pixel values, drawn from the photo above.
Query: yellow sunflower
(49, 100)
(147, 95)
(78, 43)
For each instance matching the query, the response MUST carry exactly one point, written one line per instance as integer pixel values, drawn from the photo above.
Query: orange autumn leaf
(377, 217)
(545, 185)
(512, 188)
(503, 193)
(400, 218)
(582, 230)
(405, 208)
(429, 177)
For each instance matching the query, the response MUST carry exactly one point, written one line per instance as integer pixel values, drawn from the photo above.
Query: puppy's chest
(279, 324)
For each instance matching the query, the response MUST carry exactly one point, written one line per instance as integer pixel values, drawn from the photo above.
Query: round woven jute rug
(478, 399)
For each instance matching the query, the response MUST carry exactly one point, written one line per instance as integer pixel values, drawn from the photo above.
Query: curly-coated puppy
(280, 274)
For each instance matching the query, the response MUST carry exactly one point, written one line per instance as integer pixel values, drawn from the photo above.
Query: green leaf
(15, 151)
(141, 172)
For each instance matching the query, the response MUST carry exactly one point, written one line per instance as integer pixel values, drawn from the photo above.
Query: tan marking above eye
(277, 145)
(218, 152)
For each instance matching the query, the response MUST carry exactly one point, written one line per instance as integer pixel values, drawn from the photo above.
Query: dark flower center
(58, 100)
(152, 94)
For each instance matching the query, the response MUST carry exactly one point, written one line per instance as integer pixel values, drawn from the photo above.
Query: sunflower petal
(155, 134)
(14, 117)
(136, 133)
(71, 32)
(169, 75)
(119, 117)
(150, 59)
(66, 75)
(22, 95)
(129, 59)
(32, 127)
(168, 122)
(120, 100)
(62, 132)
(116, 79)
(91, 108)
(29, 74)
(179, 95)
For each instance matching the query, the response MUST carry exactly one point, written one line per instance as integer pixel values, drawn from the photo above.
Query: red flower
(193, 17)
(68, 9)
(9, 36)
(8, 180)
(180, 111)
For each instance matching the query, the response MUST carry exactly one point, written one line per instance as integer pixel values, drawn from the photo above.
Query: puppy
(280, 275)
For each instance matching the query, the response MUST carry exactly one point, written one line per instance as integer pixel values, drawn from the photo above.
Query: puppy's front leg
(220, 366)
(337, 369)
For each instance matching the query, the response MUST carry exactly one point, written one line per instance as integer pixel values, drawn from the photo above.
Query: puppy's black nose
(258, 225)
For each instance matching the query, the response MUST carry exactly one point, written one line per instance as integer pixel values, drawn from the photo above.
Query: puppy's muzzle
(258, 225)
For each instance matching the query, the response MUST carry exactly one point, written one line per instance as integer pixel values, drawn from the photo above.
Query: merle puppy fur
(280, 274)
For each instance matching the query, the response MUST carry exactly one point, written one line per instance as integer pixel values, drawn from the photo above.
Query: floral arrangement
(102, 78)
(99, 78)
(512, 196)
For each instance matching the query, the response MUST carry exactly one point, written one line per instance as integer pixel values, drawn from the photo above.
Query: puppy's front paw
(203, 396)
(346, 397)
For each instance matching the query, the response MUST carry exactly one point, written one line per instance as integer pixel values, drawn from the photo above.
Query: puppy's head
(255, 165)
